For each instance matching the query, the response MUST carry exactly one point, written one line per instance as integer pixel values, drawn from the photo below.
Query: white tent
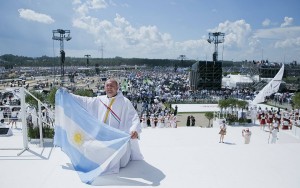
(231, 81)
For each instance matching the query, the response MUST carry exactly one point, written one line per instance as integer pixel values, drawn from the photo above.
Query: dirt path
(201, 120)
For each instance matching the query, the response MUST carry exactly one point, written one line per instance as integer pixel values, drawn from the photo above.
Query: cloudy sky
(166, 29)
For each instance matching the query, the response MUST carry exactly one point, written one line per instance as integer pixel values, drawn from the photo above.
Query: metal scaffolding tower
(87, 59)
(214, 38)
(206, 75)
(62, 35)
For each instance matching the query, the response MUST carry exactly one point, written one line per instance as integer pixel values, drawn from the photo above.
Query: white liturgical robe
(117, 112)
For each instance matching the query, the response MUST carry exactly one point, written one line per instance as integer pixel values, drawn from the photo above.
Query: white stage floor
(183, 157)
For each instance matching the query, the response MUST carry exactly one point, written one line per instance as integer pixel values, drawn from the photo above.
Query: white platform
(174, 158)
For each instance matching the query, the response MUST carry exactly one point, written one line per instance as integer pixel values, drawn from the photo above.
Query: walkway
(183, 157)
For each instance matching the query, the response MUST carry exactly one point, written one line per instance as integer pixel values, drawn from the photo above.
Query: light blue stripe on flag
(92, 146)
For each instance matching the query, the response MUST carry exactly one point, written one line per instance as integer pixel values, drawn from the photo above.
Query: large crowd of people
(152, 91)
(280, 118)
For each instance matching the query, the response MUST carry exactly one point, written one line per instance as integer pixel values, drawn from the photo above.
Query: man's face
(111, 88)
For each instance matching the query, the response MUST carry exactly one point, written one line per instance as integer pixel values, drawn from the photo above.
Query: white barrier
(296, 131)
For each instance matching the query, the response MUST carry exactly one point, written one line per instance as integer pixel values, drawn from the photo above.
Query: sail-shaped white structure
(270, 88)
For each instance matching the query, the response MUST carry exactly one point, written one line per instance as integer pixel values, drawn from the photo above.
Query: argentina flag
(93, 147)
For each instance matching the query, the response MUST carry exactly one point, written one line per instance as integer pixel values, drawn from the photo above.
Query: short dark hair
(113, 80)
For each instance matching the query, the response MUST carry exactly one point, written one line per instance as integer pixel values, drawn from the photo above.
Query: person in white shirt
(159, 122)
(274, 132)
(247, 135)
(118, 112)
(144, 121)
(253, 116)
(222, 131)
(152, 123)
(14, 118)
(173, 121)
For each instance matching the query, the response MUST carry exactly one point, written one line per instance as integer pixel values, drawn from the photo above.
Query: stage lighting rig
(62, 35)
(87, 59)
(216, 38)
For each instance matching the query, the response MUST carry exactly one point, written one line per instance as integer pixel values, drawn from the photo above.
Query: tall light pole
(181, 57)
(62, 35)
(87, 59)
(214, 38)
(101, 50)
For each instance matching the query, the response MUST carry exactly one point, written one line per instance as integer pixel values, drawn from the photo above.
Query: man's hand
(134, 135)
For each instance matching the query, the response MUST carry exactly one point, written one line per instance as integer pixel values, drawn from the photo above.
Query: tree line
(9, 60)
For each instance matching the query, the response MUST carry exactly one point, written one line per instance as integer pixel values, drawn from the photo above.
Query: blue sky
(165, 29)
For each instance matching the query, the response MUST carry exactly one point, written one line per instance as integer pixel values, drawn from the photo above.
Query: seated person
(4, 127)
(14, 118)
(2, 124)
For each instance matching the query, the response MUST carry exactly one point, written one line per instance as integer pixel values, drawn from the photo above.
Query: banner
(93, 147)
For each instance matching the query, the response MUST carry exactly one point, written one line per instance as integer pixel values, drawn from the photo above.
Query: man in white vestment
(116, 111)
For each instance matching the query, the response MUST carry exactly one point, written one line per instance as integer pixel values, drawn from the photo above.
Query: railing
(23, 115)
(40, 120)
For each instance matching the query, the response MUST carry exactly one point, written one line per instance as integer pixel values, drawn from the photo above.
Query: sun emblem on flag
(78, 138)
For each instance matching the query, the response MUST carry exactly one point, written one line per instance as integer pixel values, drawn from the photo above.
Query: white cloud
(236, 33)
(121, 38)
(287, 43)
(28, 14)
(266, 22)
(193, 48)
(83, 8)
(97, 4)
(112, 3)
(126, 40)
(90, 4)
(76, 2)
(277, 33)
(121, 34)
(274, 40)
(287, 22)
(145, 41)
